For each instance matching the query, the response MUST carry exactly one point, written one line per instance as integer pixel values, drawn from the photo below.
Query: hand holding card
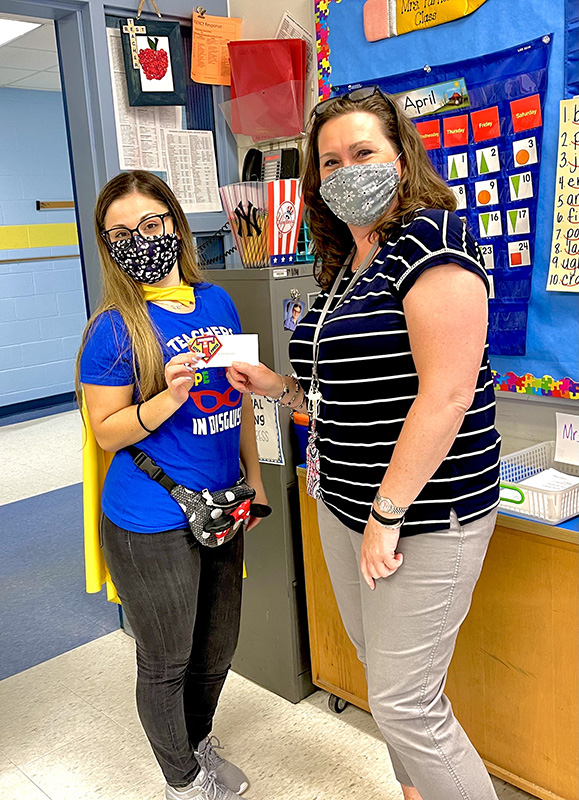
(222, 351)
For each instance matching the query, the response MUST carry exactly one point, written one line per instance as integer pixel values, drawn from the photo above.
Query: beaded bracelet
(297, 391)
(283, 394)
(304, 398)
(286, 390)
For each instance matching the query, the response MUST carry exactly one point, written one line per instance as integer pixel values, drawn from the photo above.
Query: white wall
(261, 19)
(525, 420)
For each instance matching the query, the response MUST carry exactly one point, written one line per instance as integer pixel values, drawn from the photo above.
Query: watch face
(384, 503)
(387, 506)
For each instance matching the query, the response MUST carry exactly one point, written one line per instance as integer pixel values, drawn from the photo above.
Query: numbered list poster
(564, 262)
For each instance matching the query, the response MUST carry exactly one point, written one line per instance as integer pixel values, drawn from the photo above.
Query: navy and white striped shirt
(368, 382)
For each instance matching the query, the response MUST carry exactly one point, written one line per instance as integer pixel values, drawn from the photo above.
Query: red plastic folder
(267, 87)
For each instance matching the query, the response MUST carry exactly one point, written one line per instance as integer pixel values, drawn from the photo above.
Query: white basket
(541, 505)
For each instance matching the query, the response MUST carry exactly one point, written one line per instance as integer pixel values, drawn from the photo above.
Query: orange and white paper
(209, 53)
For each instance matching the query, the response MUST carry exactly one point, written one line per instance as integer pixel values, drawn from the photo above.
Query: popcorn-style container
(265, 220)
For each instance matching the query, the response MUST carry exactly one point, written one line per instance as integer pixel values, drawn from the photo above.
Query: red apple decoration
(154, 63)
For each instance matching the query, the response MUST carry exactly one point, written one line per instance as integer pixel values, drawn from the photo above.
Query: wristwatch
(387, 506)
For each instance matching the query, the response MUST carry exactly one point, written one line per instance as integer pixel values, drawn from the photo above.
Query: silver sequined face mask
(360, 193)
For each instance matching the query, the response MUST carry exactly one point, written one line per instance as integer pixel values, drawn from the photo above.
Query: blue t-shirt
(198, 446)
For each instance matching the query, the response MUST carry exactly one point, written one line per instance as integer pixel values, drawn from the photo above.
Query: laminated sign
(386, 18)
(564, 262)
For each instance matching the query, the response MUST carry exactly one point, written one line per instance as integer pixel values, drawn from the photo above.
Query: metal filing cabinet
(273, 648)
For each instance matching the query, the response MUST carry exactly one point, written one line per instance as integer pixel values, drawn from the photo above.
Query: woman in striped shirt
(392, 363)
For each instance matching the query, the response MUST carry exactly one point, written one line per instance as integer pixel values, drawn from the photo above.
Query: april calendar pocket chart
(490, 155)
(481, 122)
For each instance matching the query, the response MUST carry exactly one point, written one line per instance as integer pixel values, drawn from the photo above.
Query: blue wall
(42, 307)
(552, 329)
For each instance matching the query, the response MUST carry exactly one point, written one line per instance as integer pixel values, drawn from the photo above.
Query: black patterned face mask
(147, 260)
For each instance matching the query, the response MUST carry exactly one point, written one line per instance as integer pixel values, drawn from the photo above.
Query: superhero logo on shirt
(205, 346)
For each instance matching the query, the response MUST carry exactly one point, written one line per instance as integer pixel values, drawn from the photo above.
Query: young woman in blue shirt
(142, 386)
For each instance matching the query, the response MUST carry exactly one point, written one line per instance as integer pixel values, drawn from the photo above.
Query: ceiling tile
(8, 75)
(42, 38)
(41, 80)
(24, 58)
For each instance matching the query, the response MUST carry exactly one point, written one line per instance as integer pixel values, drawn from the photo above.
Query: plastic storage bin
(541, 505)
(301, 425)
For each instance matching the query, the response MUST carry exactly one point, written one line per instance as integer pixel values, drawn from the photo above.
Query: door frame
(88, 108)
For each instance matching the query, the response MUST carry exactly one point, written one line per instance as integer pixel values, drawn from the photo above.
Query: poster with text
(564, 262)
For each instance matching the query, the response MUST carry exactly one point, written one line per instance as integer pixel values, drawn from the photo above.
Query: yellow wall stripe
(21, 237)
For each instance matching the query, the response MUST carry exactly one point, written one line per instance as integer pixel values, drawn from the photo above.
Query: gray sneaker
(204, 787)
(226, 773)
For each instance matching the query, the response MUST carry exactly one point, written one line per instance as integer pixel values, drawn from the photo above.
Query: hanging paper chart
(481, 122)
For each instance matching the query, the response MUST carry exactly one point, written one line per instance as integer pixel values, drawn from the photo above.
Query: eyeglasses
(355, 96)
(149, 228)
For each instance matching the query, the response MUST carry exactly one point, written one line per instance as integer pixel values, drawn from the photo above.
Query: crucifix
(131, 29)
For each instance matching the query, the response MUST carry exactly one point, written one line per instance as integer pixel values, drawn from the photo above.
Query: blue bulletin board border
(345, 57)
(571, 49)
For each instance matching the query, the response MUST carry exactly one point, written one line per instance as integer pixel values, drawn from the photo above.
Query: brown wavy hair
(420, 185)
(121, 293)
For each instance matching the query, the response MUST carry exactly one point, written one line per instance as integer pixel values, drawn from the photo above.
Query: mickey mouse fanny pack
(214, 516)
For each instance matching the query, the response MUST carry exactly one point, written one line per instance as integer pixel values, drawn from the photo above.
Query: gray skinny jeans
(183, 602)
(404, 633)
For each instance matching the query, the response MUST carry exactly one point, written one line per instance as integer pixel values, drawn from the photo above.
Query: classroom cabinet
(513, 677)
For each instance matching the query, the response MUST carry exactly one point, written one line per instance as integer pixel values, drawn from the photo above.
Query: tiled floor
(40, 455)
(70, 731)
(69, 728)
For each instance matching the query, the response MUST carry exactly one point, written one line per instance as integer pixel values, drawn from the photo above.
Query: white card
(222, 351)
(525, 152)
(551, 480)
(486, 192)
(490, 224)
(567, 442)
(460, 194)
(518, 221)
(457, 166)
(488, 160)
(521, 186)
(519, 254)
(488, 254)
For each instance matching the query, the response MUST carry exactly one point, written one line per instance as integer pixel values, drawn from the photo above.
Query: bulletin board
(549, 365)
(571, 49)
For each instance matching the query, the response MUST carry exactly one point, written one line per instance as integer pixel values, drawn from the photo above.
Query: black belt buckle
(146, 463)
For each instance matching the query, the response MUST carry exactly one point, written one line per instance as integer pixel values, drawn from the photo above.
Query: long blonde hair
(121, 293)
(420, 184)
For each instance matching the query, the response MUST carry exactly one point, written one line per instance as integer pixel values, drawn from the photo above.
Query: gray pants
(404, 633)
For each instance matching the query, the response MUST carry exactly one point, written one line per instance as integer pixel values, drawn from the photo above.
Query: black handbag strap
(153, 470)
